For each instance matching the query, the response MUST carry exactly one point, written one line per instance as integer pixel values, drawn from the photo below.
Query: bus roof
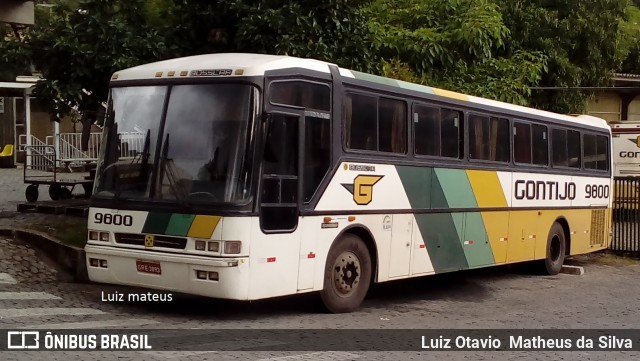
(242, 64)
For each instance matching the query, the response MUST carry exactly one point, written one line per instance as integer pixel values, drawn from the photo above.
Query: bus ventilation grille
(137, 239)
(597, 227)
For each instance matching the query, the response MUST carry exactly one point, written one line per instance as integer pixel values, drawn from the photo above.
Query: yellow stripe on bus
(203, 226)
(487, 188)
(450, 94)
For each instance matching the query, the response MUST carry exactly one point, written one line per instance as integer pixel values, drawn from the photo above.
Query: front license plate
(148, 267)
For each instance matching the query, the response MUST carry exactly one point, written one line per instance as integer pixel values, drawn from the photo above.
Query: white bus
(263, 176)
(626, 149)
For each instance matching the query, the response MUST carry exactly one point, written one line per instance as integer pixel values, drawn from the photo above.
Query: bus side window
(392, 126)
(361, 114)
(559, 148)
(451, 134)
(540, 144)
(574, 149)
(522, 143)
(426, 123)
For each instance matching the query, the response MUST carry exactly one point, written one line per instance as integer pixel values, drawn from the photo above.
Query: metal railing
(626, 214)
(131, 144)
(69, 147)
(22, 142)
(40, 158)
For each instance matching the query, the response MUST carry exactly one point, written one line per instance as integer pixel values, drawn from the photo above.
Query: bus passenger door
(400, 255)
(279, 198)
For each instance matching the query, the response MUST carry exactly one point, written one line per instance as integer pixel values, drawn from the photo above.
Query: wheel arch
(365, 234)
(567, 234)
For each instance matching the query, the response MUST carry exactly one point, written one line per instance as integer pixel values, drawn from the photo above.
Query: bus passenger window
(478, 137)
(452, 142)
(595, 152)
(522, 143)
(301, 94)
(573, 147)
(426, 123)
(559, 148)
(361, 114)
(540, 144)
(602, 152)
(488, 138)
(590, 157)
(500, 151)
(392, 126)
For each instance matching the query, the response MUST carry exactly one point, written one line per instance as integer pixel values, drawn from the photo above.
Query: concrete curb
(69, 258)
(572, 270)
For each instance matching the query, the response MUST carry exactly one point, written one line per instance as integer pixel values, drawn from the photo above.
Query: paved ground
(606, 297)
(11, 188)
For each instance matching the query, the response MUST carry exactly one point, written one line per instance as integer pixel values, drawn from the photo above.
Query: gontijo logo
(362, 188)
(627, 154)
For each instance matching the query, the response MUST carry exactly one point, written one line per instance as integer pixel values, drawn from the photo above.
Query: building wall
(609, 106)
(634, 110)
(606, 105)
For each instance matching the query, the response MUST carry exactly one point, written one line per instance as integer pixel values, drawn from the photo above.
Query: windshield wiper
(165, 168)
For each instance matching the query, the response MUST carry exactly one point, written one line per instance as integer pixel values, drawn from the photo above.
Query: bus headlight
(200, 245)
(232, 247)
(214, 246)
(99, 236)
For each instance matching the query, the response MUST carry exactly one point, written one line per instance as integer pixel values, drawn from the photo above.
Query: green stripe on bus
(156, 223)
(442, 240)
(476, 246)
(417, 185)
(456, 188)
(416, 87)
(374, 78)
(438, 198)
(179, 224)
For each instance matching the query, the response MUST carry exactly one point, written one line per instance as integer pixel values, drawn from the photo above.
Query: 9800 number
(115, 219)
(597, 191)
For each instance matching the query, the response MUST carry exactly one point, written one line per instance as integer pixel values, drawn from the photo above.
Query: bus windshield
(197, 151)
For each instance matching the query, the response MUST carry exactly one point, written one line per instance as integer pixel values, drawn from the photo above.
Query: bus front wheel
(347, 275)
(556, 249)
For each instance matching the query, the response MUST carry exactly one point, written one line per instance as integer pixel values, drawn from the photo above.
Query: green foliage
(497, 49)
(580, 39)
(332, 30)
(453, 44)
(629, 44)
(78, 44)
(14, 57)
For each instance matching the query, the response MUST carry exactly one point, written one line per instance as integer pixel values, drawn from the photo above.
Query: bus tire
(556, 249)
(347, 275)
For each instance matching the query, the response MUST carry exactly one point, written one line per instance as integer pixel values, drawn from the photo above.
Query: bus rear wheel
(347, 275)
(556, 249)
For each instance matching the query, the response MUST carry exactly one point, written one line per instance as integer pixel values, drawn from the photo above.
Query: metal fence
(626, 214)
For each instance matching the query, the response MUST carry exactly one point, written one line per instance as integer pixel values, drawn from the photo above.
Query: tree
(453, 44)
(629, 35)
(78, 44)
(580, 39)
(332, 30)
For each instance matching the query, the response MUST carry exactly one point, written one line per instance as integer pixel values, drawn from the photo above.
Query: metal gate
(626, 214)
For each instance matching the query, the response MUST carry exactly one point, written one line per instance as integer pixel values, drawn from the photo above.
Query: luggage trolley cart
(41, 168)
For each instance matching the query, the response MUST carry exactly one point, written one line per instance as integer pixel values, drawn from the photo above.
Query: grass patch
(68, 230)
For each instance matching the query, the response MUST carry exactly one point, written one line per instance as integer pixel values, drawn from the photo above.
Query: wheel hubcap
(346, 273)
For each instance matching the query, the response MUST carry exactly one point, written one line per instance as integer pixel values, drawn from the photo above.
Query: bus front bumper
(224, 277)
